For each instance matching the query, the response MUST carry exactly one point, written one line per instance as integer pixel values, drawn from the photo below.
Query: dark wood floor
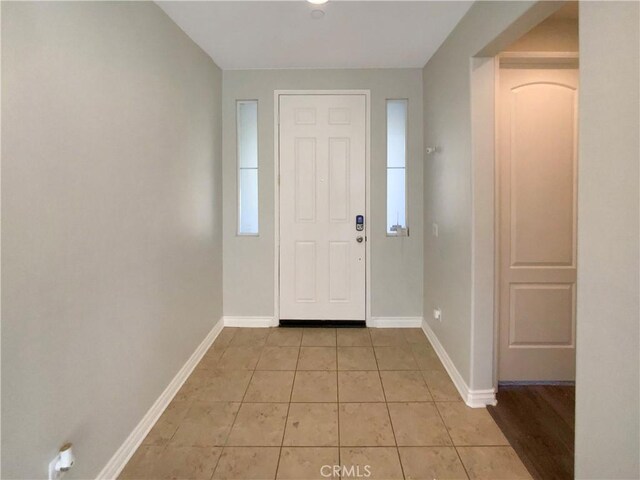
(539, 422)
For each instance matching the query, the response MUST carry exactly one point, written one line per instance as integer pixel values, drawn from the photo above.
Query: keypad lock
(359, 223)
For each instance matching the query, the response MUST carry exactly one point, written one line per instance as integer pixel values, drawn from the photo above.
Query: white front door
(322, 191)
(538, 155)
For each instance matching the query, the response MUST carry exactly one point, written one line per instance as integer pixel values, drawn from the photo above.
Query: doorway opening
(536, 155)
(537, 102)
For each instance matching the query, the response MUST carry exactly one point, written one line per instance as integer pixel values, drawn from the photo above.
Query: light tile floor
(283, 402)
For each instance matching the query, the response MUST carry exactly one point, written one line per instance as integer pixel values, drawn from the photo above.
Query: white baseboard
(115, 465)
(481, 398)
(473, 398)
(250, 322)
(375, 322)
(395, 322)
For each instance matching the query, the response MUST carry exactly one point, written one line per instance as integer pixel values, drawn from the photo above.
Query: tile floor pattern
(279, 403)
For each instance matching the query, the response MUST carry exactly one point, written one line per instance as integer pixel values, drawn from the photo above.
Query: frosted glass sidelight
(248, 201)
(396, 166)
(396, 190)
(247, 151)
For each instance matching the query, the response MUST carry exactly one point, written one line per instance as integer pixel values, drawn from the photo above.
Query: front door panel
(322, 190)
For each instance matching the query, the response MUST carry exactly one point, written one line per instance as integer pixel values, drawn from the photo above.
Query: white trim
(493, 112)
(395, 322)
(473, 398)
(276, 196)
(542, 54)
(481, 398)
(250, 322)
(119, 459)
(482, 73)
(539, 59)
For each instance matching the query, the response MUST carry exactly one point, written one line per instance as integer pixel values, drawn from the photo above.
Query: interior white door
(538, 159)
(322, 190)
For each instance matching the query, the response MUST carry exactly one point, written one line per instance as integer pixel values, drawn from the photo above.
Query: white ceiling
(266, 34)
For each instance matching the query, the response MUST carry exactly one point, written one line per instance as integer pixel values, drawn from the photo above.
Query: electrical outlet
(431, 150)
(437, 314)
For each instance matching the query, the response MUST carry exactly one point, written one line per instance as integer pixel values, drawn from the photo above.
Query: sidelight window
(397, 167)
(247, 151)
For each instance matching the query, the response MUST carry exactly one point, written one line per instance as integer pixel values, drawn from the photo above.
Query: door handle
(359, 239)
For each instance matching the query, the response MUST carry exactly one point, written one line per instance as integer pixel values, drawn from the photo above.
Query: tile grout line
(422, 375)
(191, 401)
(255, 369)
(386, 404)
(455, 447)
(413, 353)
(243, 400)
(239, 408)
(286, 418)
(213, 472)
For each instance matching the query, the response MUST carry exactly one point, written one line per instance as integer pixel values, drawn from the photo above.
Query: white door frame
(484, 79)
(276, 170)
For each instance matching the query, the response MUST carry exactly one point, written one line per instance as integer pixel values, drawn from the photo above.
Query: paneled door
(322, 191)
(537, 135)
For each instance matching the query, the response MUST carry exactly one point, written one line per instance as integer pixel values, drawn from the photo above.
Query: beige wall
(607, 383)
(396, 275)
(111, 221)
(552, 35)
(457, 264)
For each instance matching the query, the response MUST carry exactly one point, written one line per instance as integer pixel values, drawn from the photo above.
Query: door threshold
(323, 323)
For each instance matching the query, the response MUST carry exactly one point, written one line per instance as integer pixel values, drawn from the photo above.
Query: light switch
(434, 229)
